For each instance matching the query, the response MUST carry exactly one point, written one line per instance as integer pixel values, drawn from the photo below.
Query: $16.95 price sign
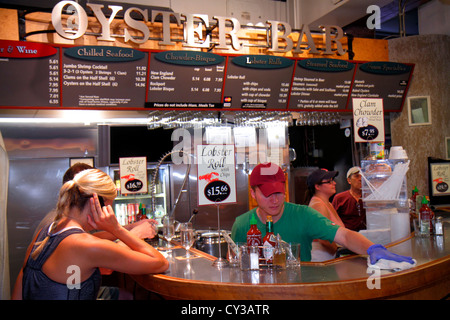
(216, 174)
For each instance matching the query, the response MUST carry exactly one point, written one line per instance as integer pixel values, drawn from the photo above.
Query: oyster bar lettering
(193, 24)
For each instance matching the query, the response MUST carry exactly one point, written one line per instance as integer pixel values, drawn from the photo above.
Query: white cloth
(391, 265)
(319, 253)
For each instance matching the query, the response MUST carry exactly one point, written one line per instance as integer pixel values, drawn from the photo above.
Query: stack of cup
(397, 153)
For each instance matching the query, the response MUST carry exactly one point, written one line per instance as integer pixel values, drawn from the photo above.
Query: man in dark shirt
(348, 204)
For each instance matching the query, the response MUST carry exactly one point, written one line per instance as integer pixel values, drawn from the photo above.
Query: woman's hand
(144, 229)
(102, 218)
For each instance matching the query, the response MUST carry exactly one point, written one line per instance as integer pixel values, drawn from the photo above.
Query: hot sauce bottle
(254, 237)
(269, 241)
(413, 203)
(426, 215)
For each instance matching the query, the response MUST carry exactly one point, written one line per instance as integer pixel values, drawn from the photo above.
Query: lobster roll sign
(133, 175)
(216, 174)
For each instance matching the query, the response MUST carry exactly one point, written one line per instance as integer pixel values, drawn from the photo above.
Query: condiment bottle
(279, 254)
(269, 241)
(425, 218)
(254, 237)
(439, 229)
(412, 208)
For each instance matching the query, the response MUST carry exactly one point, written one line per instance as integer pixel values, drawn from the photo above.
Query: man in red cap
(299, 223)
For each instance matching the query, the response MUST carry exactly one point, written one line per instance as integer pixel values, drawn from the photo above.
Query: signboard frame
(147, 105)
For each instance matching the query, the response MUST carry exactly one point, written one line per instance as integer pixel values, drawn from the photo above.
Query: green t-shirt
(298, 223)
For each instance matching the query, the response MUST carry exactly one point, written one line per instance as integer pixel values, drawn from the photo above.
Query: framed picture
(419, 111)
(447, 148)
(87, 160)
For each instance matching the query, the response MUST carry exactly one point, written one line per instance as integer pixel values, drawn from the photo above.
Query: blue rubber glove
(377, 252)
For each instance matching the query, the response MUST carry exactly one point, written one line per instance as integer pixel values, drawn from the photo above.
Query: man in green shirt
(299, 223)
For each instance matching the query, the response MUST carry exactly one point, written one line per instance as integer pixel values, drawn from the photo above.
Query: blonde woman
(62, 263)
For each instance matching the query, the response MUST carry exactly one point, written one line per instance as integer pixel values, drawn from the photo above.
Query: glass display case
(385, 198)
(153, 204)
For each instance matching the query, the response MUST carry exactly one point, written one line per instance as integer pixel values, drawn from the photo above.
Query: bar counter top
(342, 278)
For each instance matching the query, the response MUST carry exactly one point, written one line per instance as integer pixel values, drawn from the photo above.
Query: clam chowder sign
(195, 29)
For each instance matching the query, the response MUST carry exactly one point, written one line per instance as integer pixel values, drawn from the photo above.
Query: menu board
(258, 81)
(385, 80)
(185, 79)
(96, 76)
(29, 74)
(107, 77)
(321, 83)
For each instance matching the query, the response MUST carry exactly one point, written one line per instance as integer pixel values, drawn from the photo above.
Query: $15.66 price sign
(217, 191)
(216, 174)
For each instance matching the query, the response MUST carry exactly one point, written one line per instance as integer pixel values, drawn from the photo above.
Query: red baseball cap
(269, 178)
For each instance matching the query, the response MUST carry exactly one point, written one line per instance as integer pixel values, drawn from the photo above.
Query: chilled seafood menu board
(105, 77)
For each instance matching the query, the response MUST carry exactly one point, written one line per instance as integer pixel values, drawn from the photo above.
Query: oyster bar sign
(193, 24)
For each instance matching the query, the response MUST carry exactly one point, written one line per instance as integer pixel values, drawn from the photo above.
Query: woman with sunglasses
(321, 186)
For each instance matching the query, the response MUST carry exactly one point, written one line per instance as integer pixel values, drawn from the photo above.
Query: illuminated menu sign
(321, 84)
(29, 74)
(103, 77)
(257, 81)
(185, 79)
(385, 80)
(107, 77)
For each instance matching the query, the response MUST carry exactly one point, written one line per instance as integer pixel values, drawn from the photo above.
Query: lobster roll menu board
(36, 75)
(258, 81)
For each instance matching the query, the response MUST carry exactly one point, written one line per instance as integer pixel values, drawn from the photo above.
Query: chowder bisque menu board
(29, 74)
(185, 79)
(103, 77)
(321, 83)
(258, 81)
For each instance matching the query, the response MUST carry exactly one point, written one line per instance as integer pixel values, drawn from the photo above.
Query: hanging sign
(440, 174)
(368, 120)
(216, 174)
(133, 175)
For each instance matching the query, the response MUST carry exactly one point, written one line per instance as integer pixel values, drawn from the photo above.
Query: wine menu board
(258, 81)
(185, 79)
(321, 83)
(29, 74)
(105, 77)
(385, 80)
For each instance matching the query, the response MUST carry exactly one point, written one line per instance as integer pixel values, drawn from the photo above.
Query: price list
(30, 82)
(385, 80)
(184, 79)
(258, 82)
(321, 84)
(102, 82)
